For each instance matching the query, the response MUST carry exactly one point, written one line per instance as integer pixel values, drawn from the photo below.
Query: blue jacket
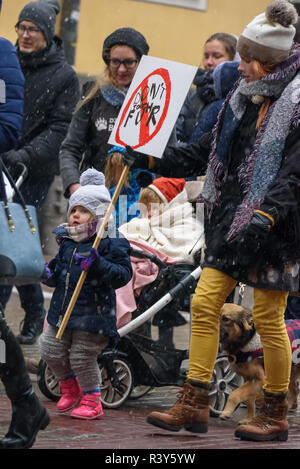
(11, 96)
(225, 75)
(126, 206)
(95, 308)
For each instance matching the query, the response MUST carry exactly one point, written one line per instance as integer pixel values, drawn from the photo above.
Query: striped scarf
(261, 166)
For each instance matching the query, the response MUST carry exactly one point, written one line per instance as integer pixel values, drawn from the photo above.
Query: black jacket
(85, 145)
(51, 93)
(283, 246)
(195, 105)
(95, 308)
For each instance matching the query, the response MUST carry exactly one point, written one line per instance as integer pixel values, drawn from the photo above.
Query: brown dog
(242, 344)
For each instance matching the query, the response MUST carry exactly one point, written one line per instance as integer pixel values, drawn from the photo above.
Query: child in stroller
(168, 228)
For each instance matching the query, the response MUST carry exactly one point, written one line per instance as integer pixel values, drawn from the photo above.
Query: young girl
(92, 324)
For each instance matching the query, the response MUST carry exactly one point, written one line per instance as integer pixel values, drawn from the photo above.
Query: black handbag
(21, 257)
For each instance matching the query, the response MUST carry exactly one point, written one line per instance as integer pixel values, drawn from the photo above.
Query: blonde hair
(114, 162)
(149, 198)
(105, 78)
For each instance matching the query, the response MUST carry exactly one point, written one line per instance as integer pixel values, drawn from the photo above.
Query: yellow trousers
(268, 314)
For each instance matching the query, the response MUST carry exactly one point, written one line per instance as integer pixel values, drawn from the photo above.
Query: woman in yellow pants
(211, 293)
(252, 231)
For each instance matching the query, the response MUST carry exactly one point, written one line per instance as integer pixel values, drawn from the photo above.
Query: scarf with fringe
(261, 166)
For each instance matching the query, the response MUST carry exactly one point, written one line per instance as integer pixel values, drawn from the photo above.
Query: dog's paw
(244, 421)
(293, 407)
(225, 416)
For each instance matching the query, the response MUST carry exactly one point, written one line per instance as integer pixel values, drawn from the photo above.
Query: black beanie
(127, 37)
(43, 14)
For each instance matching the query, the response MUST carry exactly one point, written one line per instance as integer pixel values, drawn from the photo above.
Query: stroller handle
(165, 300)
(144, 255)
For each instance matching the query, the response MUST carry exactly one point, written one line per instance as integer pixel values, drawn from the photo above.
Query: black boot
(28, 413)
(31, 330)
(165, 337)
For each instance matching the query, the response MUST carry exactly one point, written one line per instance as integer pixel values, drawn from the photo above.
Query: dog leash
(241, 292)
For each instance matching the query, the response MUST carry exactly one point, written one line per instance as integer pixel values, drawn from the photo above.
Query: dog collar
(254, 345)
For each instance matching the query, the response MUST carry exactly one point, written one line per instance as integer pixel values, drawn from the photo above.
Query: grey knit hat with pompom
(92, 194)
(269, 36)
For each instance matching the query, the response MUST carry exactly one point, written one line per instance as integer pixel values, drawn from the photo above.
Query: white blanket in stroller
(176, 232)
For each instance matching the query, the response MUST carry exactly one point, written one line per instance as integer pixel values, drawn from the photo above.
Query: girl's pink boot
(71, 393)
(90, 407)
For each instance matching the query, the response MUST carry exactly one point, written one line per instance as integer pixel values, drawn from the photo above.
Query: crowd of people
(238, 127)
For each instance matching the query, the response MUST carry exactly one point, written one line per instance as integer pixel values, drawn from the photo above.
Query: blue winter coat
(126, 206)
(11, 96)
(225, 75)
(95, 308)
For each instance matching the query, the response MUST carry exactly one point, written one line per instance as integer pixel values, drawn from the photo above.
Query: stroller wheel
(224, 381)
(114, 392)
(139, 391)
(47, 382)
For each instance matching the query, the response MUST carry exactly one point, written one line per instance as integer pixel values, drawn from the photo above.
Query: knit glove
(11, 160)
(48, 274)
(135, 159)
(86, 261)
(254, 237)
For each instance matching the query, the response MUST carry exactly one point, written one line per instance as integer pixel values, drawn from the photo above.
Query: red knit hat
(167, 188)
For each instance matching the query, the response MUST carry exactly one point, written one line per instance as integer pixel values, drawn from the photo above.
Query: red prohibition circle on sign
(145, 136)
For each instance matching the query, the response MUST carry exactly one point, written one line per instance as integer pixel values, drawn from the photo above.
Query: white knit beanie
(92, 194)
(269, 36)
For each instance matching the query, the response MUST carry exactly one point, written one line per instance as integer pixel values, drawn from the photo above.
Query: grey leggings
(77, 352)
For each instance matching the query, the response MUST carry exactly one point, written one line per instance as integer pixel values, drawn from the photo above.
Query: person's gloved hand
(253, 237)
(130, 157)
(135, 159)
(11, 160)
(86, 261)
(48, 274)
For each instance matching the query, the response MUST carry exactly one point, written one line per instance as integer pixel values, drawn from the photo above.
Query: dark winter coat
(11, 96)
(88, 134)
(51, 93)
(283, 247)
(196, 105)
(95, 308)
(224, 76)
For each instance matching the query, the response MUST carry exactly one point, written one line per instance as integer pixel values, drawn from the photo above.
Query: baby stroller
(139, 363)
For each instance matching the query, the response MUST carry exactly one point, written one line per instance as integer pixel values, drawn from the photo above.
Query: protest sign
(152, 105)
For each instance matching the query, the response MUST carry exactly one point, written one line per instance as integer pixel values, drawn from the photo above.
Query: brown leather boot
(270, 423)
(191, 411)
